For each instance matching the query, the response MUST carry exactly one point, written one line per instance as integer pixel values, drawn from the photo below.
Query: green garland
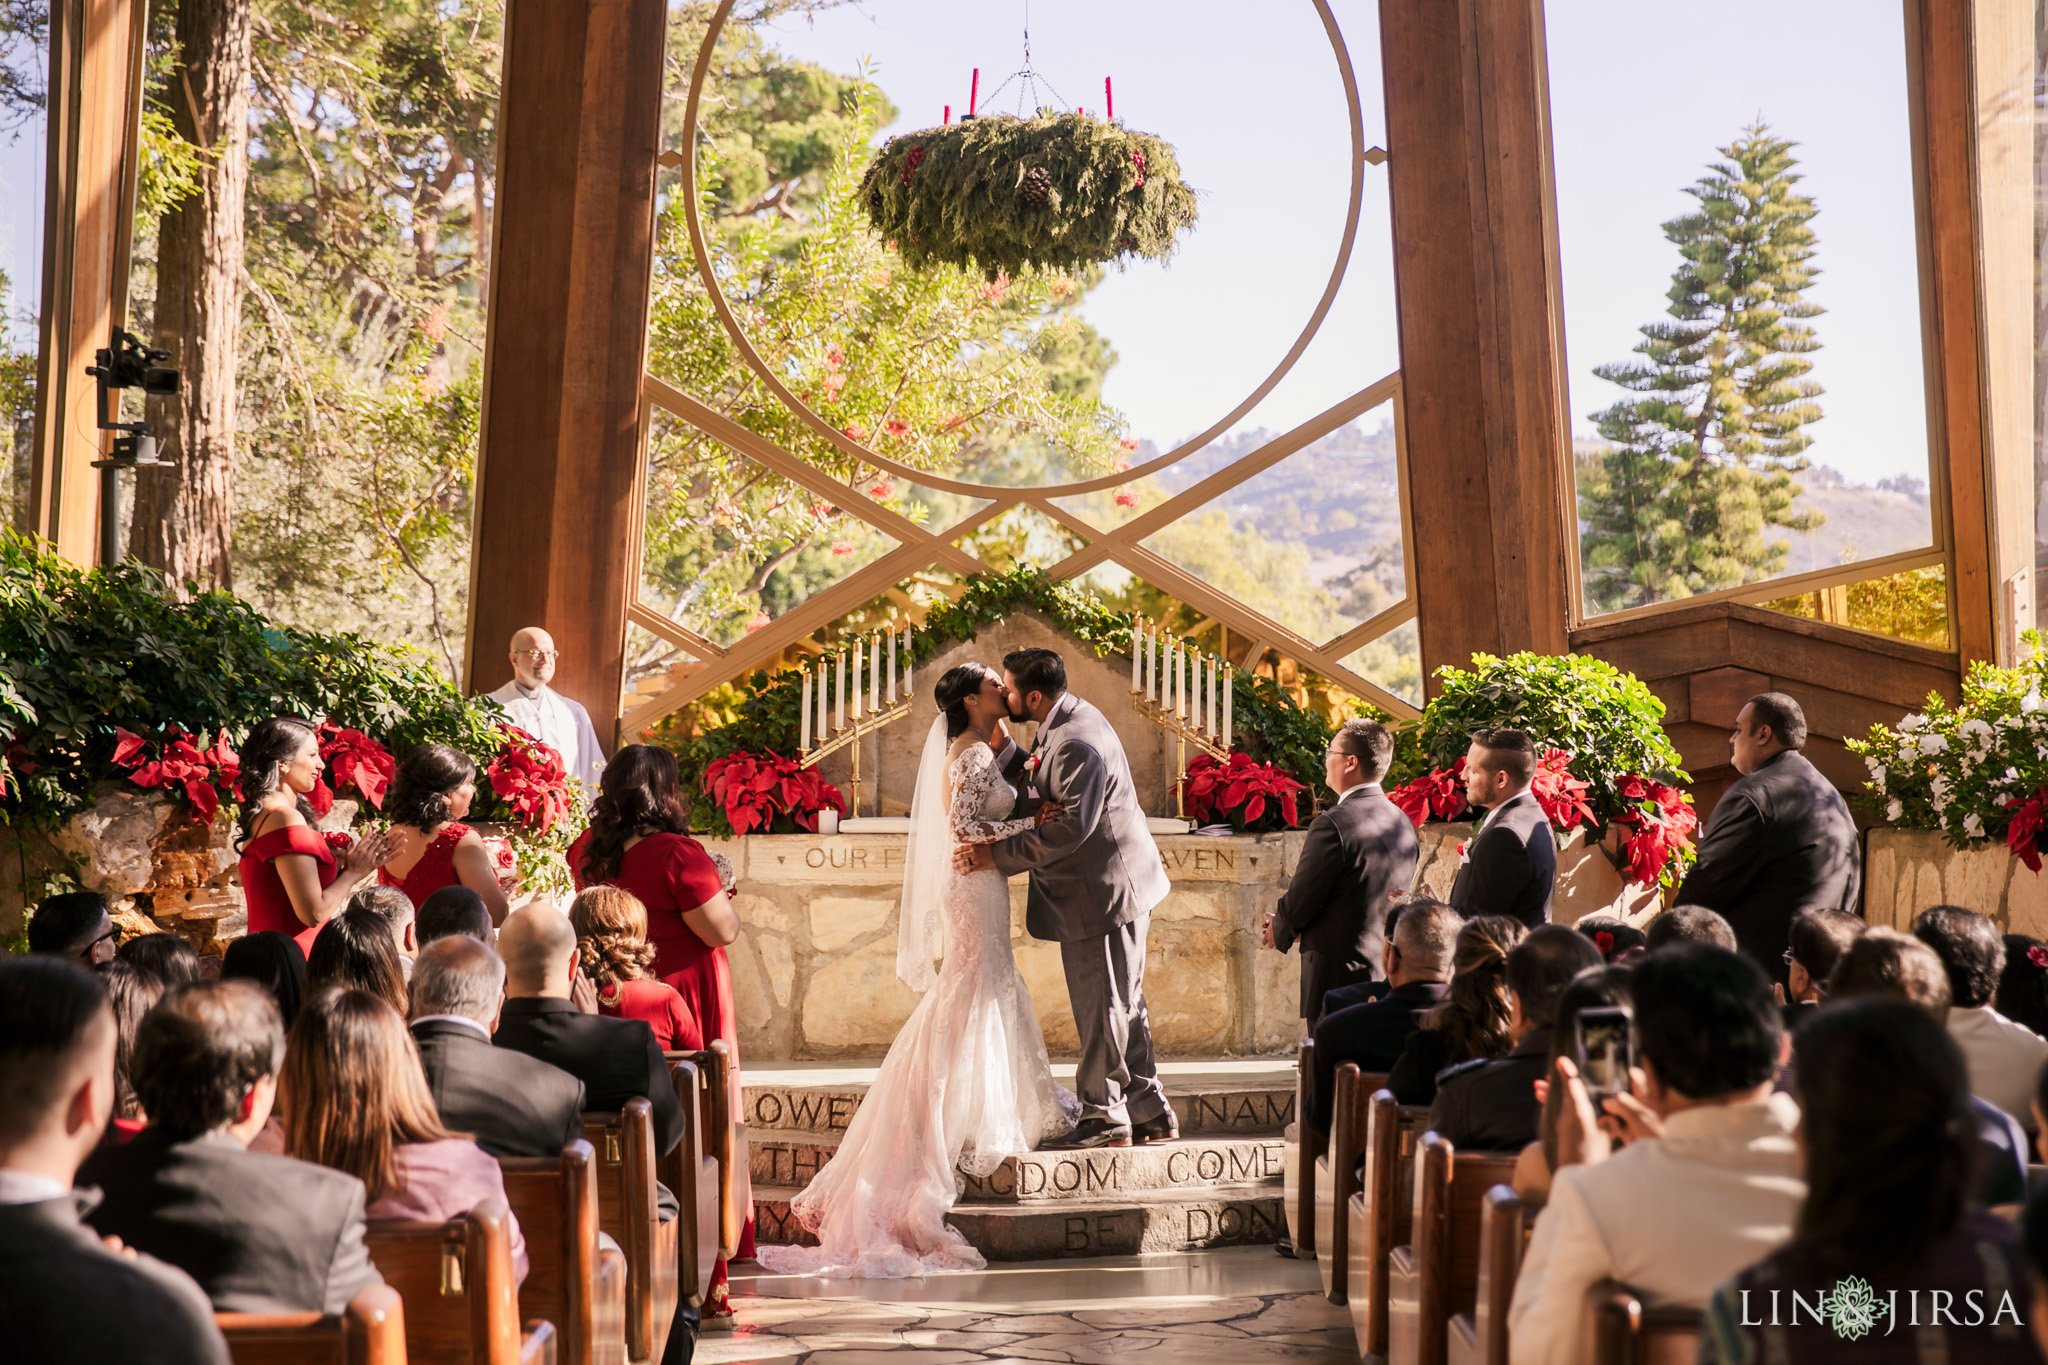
(997, 193)
(1268, 725)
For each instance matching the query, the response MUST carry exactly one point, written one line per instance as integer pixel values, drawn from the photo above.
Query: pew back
(1380, 1214)
(370, 1331)
(1480, 1337)
(629, 1210)
(1304, 1143)
(724, 1139)
(693, 1173)
(1626, 1332)
(1437, 1274)
(461, 1298)
(1336, 1175)
(572, 1282)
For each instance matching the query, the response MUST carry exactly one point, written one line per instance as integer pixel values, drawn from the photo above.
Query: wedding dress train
(966, 1083)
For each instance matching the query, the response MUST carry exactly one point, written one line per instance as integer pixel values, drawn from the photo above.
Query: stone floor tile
(1186, 1309)
(1334, 1339)
(869, 1356)
(850, 1319)
(1139, 1348)
(1032, 1323)
(972, 1341)
(745, 1348)
(1296, 1313)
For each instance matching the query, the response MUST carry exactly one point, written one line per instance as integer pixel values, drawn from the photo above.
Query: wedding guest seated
(260, 1233)
(74, 925)
(1885, 1123)
(2022, 994)
(1689, 924)
(355, 1100)
(295, 877)
(355, 950)
(131, 993)
(395, 908)
(170, 958)
(1473, 1019)
(1422, 941)
(64, 1295)
(433, 847)
(611, 942)
(1708, 1178)
(2004, 1057)
(1617, 940)
(1595, 989)
(273, 961)
(1818, 940)
(1491, 1106)
(453, 910)
(616, 1059)
(1887, 964)
(513, 1104)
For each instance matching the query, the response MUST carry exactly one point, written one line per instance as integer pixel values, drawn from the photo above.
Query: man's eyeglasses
(113, 933)
(1788, 957)
(540, 656)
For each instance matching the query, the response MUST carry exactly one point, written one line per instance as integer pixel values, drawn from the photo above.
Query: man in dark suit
(1358, 854)
(64, 1295)
(1510, 866)
(74, 925)
(616, 1059)
(260, 1233)
(513, 1104)
(1490, 1105)
(1779, 841)
(1417, 961)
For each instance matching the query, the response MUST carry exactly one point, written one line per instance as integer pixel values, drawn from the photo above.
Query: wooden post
(558, 472)
(95, 75)
(1475, 280)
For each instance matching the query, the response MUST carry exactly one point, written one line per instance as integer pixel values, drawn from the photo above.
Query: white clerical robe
(555, 720)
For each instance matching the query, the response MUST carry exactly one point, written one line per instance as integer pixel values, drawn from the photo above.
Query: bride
(967, 1082)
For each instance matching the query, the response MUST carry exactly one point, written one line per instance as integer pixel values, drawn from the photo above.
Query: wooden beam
(559, 469)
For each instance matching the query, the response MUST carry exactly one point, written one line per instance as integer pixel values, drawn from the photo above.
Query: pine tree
(1702, 464)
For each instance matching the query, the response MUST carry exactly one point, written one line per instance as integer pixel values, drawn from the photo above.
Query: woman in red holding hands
(294, 877)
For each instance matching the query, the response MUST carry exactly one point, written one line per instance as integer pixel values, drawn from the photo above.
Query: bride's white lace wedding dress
(965, 1084)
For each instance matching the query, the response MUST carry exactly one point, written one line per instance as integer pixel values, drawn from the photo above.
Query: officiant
(547, 715)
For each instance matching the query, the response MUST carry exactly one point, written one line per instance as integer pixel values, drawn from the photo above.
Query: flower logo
(1852, 1307)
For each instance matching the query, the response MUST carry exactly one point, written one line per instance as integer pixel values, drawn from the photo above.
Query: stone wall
(1907, 870)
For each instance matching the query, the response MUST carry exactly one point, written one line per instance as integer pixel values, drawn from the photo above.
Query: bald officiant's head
(533, 657)
(539, 947)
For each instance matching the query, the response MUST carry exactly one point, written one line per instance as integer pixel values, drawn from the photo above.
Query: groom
(1095, 876)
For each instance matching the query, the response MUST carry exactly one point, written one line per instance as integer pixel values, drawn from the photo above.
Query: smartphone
(1604, 1036)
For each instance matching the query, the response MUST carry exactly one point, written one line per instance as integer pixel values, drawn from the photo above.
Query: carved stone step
(1204, 1108)
(1155, 1220)
(792, 1160)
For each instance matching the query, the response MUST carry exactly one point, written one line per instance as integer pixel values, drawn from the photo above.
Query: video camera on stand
(128, 364)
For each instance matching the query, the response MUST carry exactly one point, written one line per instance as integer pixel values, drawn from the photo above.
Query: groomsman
(1510, 866)
(547, 715)
(1359, 854)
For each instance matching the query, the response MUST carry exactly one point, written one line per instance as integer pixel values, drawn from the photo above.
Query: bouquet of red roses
(1251, 796)
(208, 776)
(530, 777)
(755, 789)
(355, 760)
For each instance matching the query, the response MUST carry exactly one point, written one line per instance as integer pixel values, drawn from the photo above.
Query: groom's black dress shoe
(1098, 1132)
(1165, 1128)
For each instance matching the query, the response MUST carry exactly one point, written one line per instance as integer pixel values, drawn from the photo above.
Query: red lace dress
(435, 868)
(270, 907)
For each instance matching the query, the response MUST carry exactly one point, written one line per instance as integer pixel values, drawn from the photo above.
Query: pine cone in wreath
(1036, 187)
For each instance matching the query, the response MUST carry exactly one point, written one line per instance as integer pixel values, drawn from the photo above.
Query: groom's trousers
(1117, 1078)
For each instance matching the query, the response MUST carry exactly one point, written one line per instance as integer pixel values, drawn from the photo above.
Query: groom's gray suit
(1095, 876)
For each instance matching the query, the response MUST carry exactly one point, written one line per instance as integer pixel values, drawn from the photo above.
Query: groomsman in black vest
(1359, 854)
(1509, 867)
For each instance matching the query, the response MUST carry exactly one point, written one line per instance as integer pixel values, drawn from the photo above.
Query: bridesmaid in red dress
(639, 840)
(611, 936)
(294, 877)
(433, 848)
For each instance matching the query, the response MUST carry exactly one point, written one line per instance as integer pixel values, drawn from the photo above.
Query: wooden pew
(1336, 1175)
(629, 1210)
(1480, 1337)
(371, 1331)
(1437, 1273)
(1625, 1332)
(1304, 1144)
(1379, 1216)
(461, 1298)
(724, 1139)
(692, 1172)
(573, 1283)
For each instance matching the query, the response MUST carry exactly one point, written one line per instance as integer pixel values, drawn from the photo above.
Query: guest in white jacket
(2004, 1057)
(1708, 1181)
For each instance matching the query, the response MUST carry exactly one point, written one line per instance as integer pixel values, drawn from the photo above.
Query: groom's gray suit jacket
(1095, 867)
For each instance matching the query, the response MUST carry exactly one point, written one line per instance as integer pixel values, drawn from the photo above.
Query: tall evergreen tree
(1702, 463)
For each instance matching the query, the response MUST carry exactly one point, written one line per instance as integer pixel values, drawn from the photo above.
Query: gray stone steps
(791, 1159)
(1205, 1108)
(1115, 1225)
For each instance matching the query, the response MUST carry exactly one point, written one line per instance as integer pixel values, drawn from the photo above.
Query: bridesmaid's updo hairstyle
(961, 682)
(637, 796)
(426, 779)
(271, 745)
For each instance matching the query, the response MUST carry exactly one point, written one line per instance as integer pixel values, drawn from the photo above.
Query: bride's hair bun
(959, 683)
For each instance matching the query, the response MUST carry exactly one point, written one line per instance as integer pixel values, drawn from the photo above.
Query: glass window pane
(24, 48)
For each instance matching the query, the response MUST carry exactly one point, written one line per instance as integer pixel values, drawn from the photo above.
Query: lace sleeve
(974, 775)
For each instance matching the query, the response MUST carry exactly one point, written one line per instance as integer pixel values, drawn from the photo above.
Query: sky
(22, 170)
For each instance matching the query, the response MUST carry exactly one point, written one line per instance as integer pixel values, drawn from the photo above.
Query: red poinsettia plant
(2023, 835)
(769, 794)
(530, 778)
(208, 777)
(1250, 796)
(1438, 794)
(356, 762)
(1562, 796)
(1661, 823)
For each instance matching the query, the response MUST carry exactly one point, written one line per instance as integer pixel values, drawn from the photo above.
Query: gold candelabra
(1185, 692)
(859, 689)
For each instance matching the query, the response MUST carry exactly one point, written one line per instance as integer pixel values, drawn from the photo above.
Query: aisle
(1217, 1307)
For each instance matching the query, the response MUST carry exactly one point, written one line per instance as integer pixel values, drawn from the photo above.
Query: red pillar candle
(1108, 102)
(973, 92)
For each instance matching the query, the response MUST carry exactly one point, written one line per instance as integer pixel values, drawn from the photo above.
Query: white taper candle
(824, 694)
(874, 673)
(840, 661)
(1229, 699)
(908, 692)
(892, 668)
(803, 743)
(1208, 690)
(1135, 637)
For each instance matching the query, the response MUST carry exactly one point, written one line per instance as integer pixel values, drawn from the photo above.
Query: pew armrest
(537, 1343)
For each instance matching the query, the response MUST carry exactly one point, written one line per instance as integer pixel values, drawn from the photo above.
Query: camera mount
(127, 364)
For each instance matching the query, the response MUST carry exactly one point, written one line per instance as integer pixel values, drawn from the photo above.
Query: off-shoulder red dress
(434, 870)
(660, 1007)
(270, 907)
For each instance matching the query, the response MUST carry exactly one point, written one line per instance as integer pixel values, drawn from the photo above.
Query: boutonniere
(1031, 765)
(1463, 855)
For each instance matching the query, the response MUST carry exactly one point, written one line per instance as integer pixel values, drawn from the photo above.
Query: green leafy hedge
(82, 651)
